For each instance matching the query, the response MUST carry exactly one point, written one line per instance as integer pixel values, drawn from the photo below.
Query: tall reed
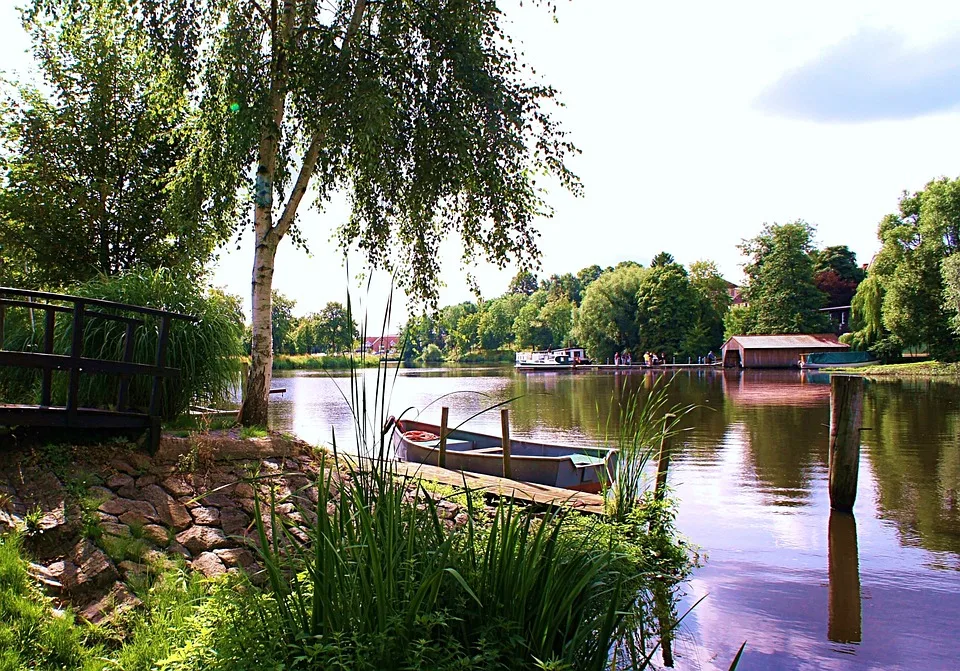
(646, 422)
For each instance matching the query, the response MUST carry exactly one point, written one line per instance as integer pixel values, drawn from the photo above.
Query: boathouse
(776, 351)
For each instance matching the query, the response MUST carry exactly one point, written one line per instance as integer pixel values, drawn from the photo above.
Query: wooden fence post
(505, 432)
(442, 454)
(846, 409)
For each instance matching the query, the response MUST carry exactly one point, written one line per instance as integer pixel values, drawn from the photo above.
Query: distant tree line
(665, 308)
(330, 331)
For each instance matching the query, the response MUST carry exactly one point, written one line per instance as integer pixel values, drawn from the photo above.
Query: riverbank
(919, 369)
(195, 559)
(324, 361)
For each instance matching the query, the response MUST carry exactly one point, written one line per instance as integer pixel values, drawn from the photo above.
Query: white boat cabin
(568, 356)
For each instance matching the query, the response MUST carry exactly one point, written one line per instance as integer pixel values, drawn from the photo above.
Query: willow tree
(420, 110)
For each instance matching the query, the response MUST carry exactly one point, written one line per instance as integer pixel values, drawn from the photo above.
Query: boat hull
(818, 366)
(569, 467)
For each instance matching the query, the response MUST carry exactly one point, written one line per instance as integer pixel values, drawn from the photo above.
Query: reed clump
(646, 423)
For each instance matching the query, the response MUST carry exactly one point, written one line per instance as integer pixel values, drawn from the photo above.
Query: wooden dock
(524, 492)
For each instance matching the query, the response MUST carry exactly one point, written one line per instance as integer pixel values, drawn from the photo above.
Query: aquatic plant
(645, 424)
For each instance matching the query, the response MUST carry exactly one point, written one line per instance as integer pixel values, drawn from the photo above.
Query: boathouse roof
(792, 341)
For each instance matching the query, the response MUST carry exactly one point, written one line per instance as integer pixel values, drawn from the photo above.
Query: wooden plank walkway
(525, 492)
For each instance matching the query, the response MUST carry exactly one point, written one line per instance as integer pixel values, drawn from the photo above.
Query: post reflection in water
(843, 558)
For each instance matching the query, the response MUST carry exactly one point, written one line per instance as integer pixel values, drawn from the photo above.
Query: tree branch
(261, 11)
(316, 141)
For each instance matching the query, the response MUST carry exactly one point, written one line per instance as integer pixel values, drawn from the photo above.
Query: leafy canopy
(426, 117)
(89, 155)
(913, 274)
(780, 288)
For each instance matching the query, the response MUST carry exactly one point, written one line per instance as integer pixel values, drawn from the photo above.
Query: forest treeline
(666, 307)
(908, 297)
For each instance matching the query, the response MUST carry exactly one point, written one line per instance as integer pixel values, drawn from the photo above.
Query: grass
(31, 637)
(185, 424)
(919, 369)
(328, 362)
(247, 432)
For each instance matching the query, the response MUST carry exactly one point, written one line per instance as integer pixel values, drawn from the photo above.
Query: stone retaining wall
(195, 499)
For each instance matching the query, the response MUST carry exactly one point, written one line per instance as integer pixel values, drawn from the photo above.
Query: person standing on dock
(616, 358)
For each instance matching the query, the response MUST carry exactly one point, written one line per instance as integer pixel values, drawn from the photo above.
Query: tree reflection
(914, 449)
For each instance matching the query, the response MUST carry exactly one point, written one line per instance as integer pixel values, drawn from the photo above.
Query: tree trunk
(254, 409)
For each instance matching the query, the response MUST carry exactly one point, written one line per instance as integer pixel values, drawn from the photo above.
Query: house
(381, 345)
(735, 293)
(839, 317)
(776, 351)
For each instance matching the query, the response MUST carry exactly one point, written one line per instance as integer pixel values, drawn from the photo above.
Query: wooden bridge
(73, 414)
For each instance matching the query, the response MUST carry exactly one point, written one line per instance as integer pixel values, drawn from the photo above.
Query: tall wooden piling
(846, 410)
(505, 432)
(442, 452)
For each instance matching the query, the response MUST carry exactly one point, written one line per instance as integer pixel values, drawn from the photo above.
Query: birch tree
(420, 110)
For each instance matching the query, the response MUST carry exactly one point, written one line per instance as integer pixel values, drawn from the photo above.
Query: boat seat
(585, 460)
(487, 450)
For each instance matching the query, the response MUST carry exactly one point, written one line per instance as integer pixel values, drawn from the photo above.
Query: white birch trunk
(255, 405)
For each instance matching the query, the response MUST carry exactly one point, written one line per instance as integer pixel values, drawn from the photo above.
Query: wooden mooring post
(505, 429)
(846, 410)
(442, 451)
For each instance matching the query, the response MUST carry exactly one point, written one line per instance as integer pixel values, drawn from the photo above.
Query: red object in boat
(420, 436)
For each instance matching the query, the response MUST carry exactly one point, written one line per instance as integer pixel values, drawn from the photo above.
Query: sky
(698, 122)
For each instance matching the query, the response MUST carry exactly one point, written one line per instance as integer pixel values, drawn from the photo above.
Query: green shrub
(431, 354)
(206, 353)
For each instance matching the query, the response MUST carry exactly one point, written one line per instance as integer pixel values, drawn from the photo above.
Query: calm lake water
(880, 590)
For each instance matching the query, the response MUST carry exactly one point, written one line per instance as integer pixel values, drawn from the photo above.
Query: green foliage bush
(206, 352)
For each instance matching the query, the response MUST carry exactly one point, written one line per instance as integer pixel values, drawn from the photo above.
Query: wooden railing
(73, 414)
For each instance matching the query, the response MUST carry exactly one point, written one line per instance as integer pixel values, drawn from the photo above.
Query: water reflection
(843, 557)
(751, 480)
